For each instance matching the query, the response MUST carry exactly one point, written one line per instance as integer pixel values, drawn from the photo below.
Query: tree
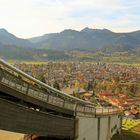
(133, 88)
(56, 85)
(90, 85)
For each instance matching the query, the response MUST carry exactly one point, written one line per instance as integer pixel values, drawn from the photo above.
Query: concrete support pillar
(98, 128)
(109, 125)
(76, 129)
(86, 127)
(120, 124)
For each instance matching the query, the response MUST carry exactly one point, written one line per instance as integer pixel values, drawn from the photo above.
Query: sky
(29, 18)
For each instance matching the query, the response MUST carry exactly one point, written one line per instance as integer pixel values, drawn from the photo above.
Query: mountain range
(62, 44)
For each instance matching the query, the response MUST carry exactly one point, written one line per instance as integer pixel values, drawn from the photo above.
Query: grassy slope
(133, 134)
(127, 135)
(100, 56)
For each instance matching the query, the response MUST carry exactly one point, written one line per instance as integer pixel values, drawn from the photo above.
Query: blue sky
(28, 18)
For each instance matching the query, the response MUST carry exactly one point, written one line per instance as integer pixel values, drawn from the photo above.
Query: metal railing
(107, 110)
(20, 81)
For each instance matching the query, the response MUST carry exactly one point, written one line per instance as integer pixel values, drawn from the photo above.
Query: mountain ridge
(87, 44)
(7, 38)
(91, 38)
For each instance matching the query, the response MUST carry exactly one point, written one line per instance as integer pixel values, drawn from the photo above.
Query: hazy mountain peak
(106, 30)
(7, 38)
(68, 30)
(3, 31)
(87, 29)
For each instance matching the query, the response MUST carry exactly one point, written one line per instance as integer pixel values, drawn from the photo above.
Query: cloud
(27, 18)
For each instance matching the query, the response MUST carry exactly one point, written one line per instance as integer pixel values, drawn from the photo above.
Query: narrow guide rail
(17, 80)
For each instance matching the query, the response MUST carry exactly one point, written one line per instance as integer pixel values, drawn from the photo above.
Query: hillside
(126, 135)
(7, 38)
(86, 39)
(100, 45)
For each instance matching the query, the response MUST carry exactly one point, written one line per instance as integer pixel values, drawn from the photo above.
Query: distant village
(104, 84)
